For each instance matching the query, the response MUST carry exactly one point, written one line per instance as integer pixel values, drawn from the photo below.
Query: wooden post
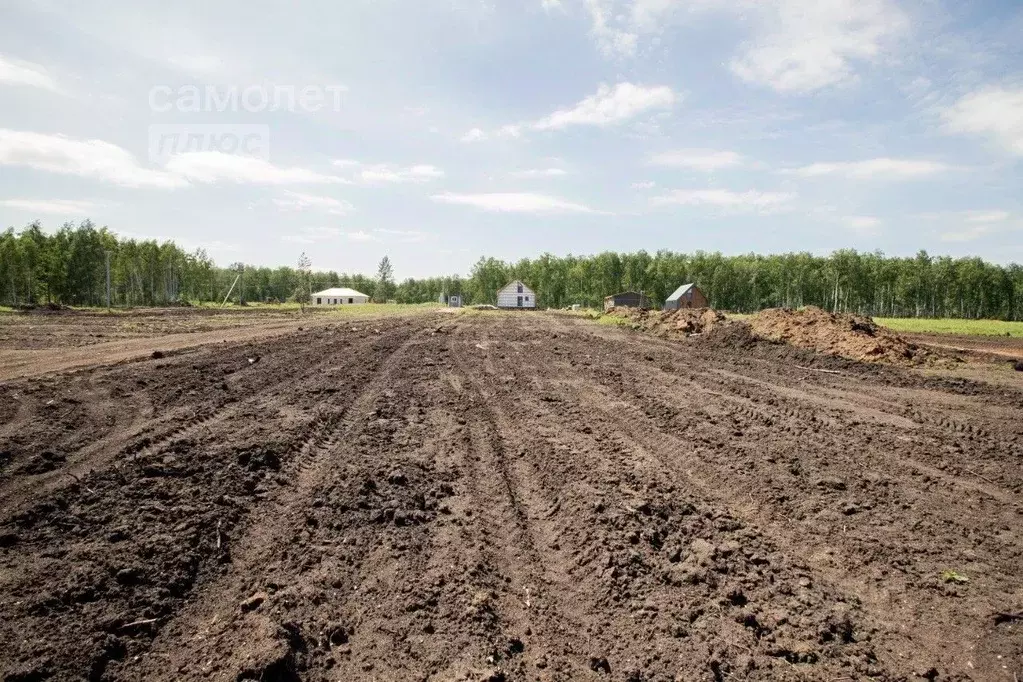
(229, 291)
(108, 279)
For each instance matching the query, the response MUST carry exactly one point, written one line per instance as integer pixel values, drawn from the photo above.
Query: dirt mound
(853, 337)
(849, 336)
(684, 322)
(41, 308)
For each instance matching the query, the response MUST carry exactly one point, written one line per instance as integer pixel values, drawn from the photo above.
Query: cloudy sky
(437, 131)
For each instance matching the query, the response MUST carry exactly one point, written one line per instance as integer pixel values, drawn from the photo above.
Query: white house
(338, 296)
(516, 295)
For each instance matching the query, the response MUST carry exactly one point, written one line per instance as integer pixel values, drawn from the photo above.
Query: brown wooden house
(686, 296)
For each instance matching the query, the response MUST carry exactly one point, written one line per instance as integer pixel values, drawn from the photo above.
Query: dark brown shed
(629, 299)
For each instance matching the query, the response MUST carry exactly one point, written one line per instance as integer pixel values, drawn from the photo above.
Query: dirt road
(508, 497)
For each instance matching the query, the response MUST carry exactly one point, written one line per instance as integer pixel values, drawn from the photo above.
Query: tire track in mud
(125, 445)
(843, 563)
(430, 593)
(765, 412)
(639, 580)
(769, 406)
(230, 644)
(203, 540)
(533, 605)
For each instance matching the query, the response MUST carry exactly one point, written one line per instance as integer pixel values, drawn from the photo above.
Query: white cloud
(613, 41)
(514, 202)
(652, 15)
(215, 246)
(510, 130)
(648, 184)
(199, 64)
(384, 173)
(619, 26)
(403, 236)
(17, 72)
(474, 135)
(68, 207)
(966, 235)
(312, 235)
(610, 106)
(296, 201)
(697, 159)
(212, 167)
(798, 46)
(884, 168)
(811, 45)
(540, 173)
(863, 225)
(607, 107)
(549, 5)
(722, 198)
(994, 112)
(94, 159)
(361, 236)
(966, 226)
(987, 216)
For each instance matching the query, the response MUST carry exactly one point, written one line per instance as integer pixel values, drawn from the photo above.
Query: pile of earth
(41, 307)
(849, 336)
(669, 323)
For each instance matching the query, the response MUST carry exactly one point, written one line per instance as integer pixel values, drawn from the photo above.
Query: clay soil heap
(493, 497)
(849, 336)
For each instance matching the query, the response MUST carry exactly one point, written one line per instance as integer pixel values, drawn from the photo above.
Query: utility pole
(108, 279)
(241, 291)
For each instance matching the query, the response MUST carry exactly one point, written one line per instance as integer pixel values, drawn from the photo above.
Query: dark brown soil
(47, 327)
(989, 348)
(508, 497)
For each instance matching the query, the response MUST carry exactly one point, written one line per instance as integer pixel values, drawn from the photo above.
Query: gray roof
(340, 291)
(681, 291)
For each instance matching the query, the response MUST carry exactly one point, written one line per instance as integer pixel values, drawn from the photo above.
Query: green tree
(305, 269)
(383, 289)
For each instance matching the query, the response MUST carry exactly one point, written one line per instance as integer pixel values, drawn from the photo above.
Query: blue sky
(437, 131)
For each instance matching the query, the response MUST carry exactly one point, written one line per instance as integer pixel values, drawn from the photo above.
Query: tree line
(845, 281)
(69, 267)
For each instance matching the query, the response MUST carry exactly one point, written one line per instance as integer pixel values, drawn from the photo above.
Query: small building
(516, 295)
(686, 296)
(630, 299)
(452, 301)
(339, 296)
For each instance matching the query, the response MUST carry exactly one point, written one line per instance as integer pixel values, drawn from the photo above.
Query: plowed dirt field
(504, 497)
